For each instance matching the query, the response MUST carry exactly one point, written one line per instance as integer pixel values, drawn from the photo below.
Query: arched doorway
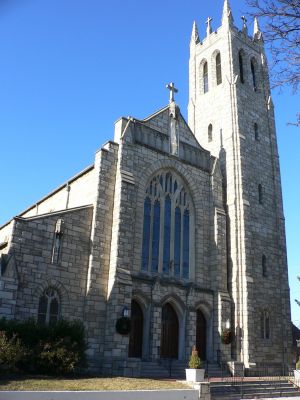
(169, 332)
(136, 333)
(201, 335)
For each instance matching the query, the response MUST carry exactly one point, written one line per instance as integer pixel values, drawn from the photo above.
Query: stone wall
(32, 271)
(137, 163)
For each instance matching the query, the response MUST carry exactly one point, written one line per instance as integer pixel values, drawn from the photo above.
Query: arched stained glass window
(166, 227)
(48, 311)
(241, 66)
(205, 77)
(146, 234)
(218, 69)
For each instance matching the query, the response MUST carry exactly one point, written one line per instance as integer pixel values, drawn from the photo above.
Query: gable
(154, 132)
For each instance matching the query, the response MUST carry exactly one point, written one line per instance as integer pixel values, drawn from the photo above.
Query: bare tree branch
(281, 30)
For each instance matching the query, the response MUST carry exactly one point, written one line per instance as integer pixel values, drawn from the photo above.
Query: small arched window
(49, 307)
(210, 132)
(205, 77)
(260, 194)
(256, 135)
(218, 69)
(264, 265)
(241, 66)
(265, 325)
(253, 73)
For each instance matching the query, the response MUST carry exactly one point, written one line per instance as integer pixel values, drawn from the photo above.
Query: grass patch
(54, 383)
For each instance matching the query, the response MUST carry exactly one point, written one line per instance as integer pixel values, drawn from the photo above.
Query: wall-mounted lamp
(227, 324)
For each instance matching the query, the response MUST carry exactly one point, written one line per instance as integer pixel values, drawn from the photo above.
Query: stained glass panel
(155, 237)
(146, 234)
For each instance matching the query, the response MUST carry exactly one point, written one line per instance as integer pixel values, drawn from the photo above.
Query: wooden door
(169, 332)
(201, 335)
(136, 333)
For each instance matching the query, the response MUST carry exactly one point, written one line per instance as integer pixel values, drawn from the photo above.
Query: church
(175, 236)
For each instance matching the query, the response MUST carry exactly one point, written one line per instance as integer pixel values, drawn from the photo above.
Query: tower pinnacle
(256, 31)
(227, 18)
(195, 35)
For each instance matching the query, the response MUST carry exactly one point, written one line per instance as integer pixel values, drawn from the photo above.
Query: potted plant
(226, 336)
(297, 373)
(195, 373)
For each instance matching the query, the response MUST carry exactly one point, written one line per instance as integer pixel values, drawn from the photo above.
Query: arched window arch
(218, 69)
(256, 134)
(241, 66)
(49, 307)
(265, 325)
(205, 77)
(260, 194)
(167, 218)
(264, 265)
(210, 132)
(254, 73)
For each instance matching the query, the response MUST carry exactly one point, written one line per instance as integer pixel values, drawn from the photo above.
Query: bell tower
(231, 114)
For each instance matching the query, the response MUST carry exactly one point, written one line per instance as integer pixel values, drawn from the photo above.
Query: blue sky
(69, 69)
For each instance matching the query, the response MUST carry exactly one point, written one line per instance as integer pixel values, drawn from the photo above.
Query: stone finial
(195, 35)
(245, 28)
(208, 28)
(256, 31)
(270, 103)
(173, 90)
(227, 18)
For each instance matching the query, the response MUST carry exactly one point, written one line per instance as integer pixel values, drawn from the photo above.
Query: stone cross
(173, 90)
(208, 29)
(243, 18)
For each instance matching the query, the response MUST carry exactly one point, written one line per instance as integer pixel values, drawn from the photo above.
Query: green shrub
(56, 349)
(298, 364)
(195, 361)
(11, 353)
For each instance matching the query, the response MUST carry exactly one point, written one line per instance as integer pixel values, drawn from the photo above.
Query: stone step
(253, 389)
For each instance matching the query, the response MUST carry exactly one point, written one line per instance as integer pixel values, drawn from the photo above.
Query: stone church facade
(177, 225)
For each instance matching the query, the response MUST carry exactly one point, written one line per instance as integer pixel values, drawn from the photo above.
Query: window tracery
(166, 227)
(49, 307)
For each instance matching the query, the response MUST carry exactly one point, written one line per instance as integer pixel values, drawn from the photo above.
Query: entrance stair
(215, 371)
(165, 368)
(252, 388)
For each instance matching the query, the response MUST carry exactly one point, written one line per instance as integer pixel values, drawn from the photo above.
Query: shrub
(56, 349)
(11, 353)
(195, 361)
(226, 336)
(298, 364)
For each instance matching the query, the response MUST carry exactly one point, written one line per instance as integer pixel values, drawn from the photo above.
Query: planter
(297, 377)
(194, 375)
(226, 336)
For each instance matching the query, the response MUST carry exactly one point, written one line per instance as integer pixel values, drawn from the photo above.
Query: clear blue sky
(69, 69)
